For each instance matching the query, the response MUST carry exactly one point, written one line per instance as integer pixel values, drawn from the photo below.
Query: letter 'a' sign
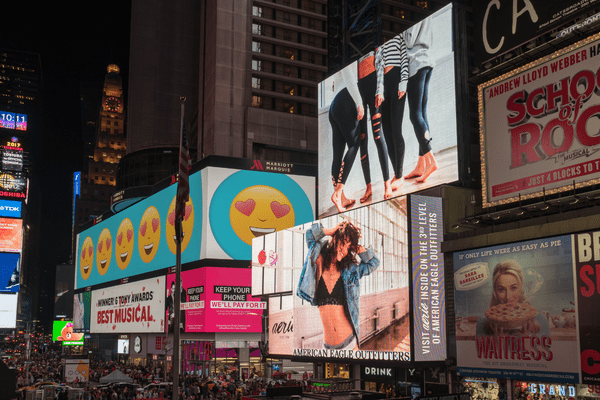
(539, 126)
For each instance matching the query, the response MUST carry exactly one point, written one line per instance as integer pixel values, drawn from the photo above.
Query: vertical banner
(587, 269)
(428, 278)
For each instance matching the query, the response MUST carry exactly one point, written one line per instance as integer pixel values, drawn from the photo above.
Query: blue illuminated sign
(10, 208)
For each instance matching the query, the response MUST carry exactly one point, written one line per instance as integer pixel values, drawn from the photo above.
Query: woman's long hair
(348, 232)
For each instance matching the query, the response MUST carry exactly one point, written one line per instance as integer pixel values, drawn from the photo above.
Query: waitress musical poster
(516, 311)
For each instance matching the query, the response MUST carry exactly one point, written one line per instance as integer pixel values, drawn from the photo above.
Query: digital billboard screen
(8, 310)
(429, 294)
(10, 208)
(244, 204)
(516, 312)
(82, 308)
(62, 331)
(10, 272)
(135, 307)
(11, 234)
(11, 120)
(387, 123)
(539, 125)
(13, 185)
(215, 299)
(349, 279)
(140, 238)
(502, 25)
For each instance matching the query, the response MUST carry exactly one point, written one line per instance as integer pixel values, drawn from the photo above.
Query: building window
(288, 107)
(256, 101)
(256, 65)
(256, 29)
(257, 11)
(256, 47)
(423, 4)
(289, 53)
(256, 83)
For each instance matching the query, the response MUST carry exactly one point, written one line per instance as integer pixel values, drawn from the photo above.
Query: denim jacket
(315, 240)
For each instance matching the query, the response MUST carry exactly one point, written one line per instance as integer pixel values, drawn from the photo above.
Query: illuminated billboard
(516, 313)
(136, 307)
(10, 208)
(429, 294)
(215, 300)
(62, 331)
(539, 124)
(13, 185)
(8, 310)
(11, 234)
(245, 204)
(141, 238)
(349, 279)
(82, 308)
(503, 25)
(11, 120)
(10, 272)
(371, 150)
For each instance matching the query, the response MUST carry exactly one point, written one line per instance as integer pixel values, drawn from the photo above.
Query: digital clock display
(11, 120)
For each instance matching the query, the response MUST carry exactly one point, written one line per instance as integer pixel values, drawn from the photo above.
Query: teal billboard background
(134, 241)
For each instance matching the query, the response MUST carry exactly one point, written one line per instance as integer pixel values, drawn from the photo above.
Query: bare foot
(368, 194)
(387, 190)
(397, 183)
(430, 167)
(336, 198)
(419, 169)
(347, 202)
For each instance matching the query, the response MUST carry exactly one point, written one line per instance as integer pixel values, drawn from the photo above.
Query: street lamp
(263, 345)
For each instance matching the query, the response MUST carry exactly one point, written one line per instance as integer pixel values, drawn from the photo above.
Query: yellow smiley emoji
(187, 226)
(104, 251)
(124, 245)
(87, 258)
(149, 234)
(258, 210)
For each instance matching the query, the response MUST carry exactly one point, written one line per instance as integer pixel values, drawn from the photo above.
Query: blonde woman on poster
(330, 280)
(510, 313)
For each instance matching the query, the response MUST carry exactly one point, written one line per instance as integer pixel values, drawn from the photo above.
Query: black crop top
(337, 297)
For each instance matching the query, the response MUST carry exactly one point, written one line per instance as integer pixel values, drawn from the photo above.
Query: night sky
(76, 42)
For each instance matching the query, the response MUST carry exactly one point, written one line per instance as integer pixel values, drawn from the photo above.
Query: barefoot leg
(397, 183)
(346, 202)
(419, 169)
(336, 197)
(368, 194)
(387, 194)
(430, 166)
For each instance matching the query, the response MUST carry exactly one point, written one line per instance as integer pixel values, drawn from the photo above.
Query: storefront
(404, 382)
(377, 379)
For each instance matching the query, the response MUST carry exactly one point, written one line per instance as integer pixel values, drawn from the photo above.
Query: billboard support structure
(177, 307)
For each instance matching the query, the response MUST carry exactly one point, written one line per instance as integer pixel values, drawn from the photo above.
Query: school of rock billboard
(368, 147)
(539, 125)
(215, 300)
(368, 275)
(129, 308)
(524, 309)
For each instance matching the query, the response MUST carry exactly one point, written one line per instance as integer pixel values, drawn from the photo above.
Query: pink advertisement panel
(216, 299)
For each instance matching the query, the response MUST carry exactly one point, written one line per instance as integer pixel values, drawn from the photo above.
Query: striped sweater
(392, 53)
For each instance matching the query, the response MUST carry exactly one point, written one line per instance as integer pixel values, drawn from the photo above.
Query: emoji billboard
(140, 238)
(247, 204)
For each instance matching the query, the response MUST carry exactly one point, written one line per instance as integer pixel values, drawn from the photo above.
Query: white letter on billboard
(484, 28)
(517, 14)
(585, 247)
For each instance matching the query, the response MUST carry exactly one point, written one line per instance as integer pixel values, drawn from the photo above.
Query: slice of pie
(511, 315)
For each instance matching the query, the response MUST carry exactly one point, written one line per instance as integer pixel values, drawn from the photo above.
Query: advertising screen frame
(365, 162)
(62, 331)
(386, 294)
(14, 241)
(555, 170)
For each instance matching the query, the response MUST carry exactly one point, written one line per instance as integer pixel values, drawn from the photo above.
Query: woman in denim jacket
(330, 281)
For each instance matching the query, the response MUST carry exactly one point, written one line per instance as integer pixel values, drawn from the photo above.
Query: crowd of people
(46, 367)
